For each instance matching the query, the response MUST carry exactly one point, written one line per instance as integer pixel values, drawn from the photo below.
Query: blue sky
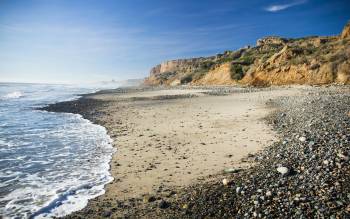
(73, 41)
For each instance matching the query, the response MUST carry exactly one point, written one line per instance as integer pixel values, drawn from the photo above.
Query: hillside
(273, 61)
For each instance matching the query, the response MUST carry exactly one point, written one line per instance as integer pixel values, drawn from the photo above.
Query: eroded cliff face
(313, 61)
(170, 72)
(346, 31)
(274, 61)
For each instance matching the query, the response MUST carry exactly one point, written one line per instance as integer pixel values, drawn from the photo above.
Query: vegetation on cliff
(274, 60)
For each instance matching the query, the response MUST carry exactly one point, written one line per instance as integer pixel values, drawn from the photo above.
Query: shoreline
(93, 109)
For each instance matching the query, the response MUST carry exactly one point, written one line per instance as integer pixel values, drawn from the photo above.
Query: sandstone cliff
(274, 60)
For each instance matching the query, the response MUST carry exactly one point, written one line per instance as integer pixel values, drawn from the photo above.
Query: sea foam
(51, 164)
(13, 95)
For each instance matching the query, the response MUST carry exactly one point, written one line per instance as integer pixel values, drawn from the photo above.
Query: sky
(74, 41)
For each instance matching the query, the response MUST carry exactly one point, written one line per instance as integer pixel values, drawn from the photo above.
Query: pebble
(148, 198)
(343, 157)
(106, 214)
(268, 193)
(283, 170)
(302, 139)
(164, 204)
(231, 170)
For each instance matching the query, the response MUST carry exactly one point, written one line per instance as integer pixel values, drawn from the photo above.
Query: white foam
(62, 196)
(13, 95)
(68, 155)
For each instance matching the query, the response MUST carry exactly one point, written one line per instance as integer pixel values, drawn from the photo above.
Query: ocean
(51, 164)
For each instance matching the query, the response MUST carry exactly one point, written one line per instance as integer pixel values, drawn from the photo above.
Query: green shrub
(237, 72)
(207, 64)
(224, 59)
(166, 75)
(186, 79)
(299, 60)
(247, 60)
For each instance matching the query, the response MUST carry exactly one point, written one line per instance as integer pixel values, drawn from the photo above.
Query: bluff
(273, 61)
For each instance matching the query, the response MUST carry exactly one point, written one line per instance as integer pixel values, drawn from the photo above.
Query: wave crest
(13, 95)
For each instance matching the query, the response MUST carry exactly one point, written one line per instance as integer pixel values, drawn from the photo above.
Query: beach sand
(166, 143)
(173, 146)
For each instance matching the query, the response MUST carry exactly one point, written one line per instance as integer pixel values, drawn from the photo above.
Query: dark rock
(164, 204)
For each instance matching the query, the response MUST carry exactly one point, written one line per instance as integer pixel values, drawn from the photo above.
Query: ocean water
(50, 163)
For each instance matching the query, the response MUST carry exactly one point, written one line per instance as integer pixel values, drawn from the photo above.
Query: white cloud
(280, 7)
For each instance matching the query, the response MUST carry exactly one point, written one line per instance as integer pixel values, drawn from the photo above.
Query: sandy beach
(163, 143)
(171, 142)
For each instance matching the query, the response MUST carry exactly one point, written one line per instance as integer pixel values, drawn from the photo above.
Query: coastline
(113, 204)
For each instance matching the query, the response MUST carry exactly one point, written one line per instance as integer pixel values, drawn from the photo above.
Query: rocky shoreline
(305, 174)
(314, 149)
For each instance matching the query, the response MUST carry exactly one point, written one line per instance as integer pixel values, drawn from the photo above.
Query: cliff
(274, 60)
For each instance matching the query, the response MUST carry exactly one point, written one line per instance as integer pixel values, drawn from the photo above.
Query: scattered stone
(311, 143)
(283, 170)
(164, 204)
(268, 193)
(320, 189)
(302, 139)
(185, 206)
(106, 214)
(148, 198)
(231, 170)
(343, 157)
(225, 182)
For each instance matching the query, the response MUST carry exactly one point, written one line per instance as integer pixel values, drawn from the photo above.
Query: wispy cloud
(280, 7)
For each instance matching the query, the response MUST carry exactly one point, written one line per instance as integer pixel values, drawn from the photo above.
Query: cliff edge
(273, 61)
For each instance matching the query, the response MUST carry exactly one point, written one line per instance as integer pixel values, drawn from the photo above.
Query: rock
(302, 139)
(148, 198)
(271, 40)
(283, 170)
(163, 204)
(106, 214)
(343, 157)
(268, 193)
(231, 170)
(225, 182)
(238, 190)
(311, 143)
(346, 31)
